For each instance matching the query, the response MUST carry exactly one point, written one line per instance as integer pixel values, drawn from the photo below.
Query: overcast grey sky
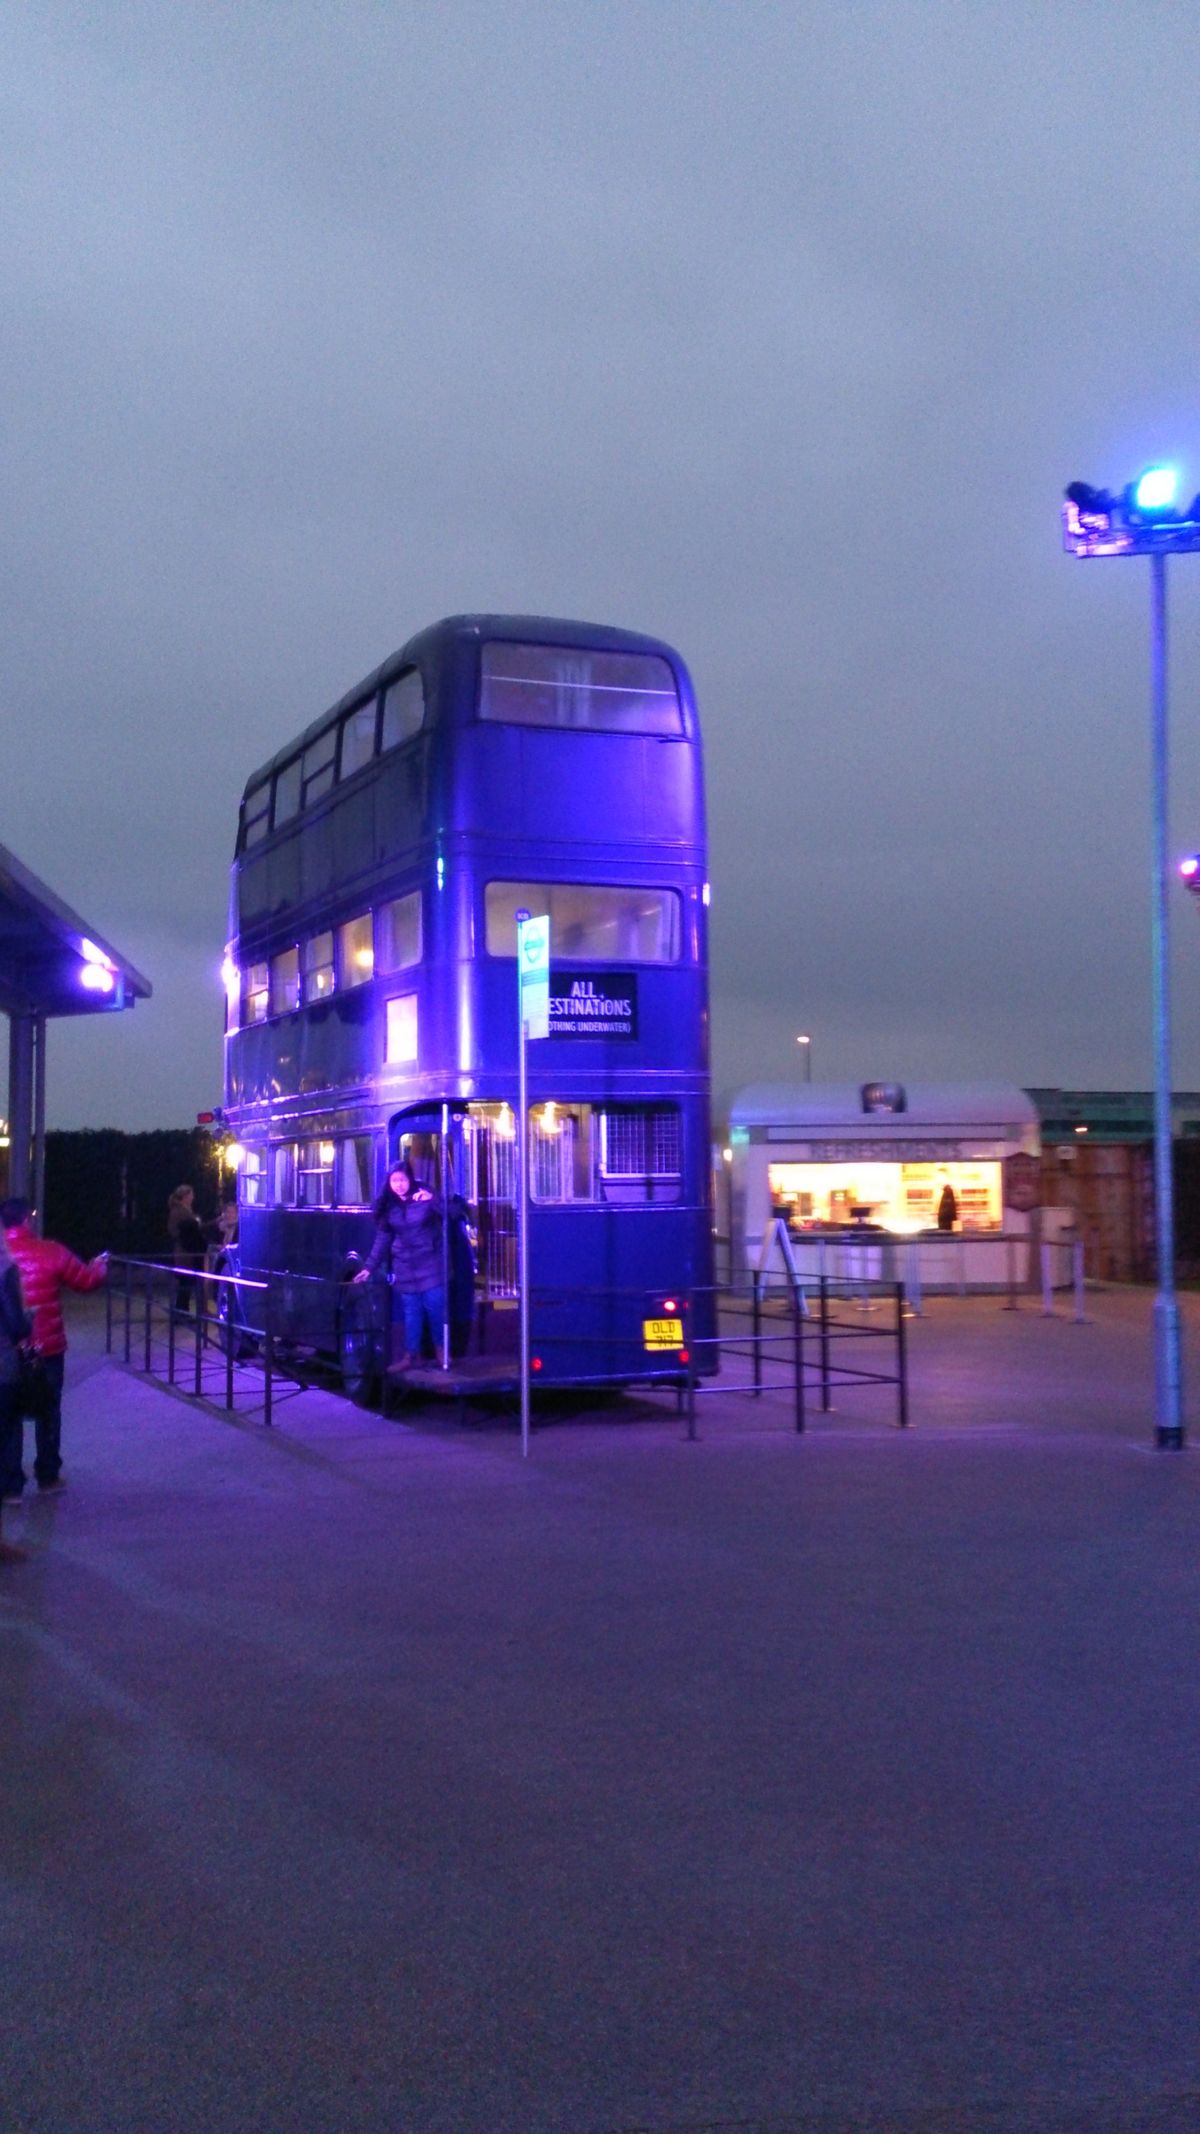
(774, 330)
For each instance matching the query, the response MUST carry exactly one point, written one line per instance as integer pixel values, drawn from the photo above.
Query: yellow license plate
(662, 1333)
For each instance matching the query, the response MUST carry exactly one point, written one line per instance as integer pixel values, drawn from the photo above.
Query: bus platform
(362, 1777)
(464, 1379)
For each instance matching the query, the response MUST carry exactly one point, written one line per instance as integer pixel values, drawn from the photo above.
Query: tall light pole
(1144, 521)
(805, 1043)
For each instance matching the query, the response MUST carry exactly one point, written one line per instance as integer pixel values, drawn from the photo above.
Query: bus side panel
(596, 1281)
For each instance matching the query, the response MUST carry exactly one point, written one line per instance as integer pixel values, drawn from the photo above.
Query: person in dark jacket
(190, 1240)
(408, 1238)
(15, 1328)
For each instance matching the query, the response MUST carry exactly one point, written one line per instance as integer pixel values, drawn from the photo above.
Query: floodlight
(1156, 489)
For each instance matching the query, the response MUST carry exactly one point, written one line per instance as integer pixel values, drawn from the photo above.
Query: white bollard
(1047, 1285)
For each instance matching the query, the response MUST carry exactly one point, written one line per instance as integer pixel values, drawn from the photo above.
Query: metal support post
(826, 1402)
(756, 1329)
(1167, 1361)
(798, 1354)
(901, 1359)
(523, 1227)
(149, 1308)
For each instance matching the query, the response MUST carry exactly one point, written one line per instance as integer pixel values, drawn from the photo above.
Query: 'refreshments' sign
(604, 1004)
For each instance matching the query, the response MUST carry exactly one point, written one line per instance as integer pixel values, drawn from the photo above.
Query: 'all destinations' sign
(604, 1004)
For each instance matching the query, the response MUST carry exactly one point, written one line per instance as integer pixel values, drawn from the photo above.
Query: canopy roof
(43, 953)
(842, 1107)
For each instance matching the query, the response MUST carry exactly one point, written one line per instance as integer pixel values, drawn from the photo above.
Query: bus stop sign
(533, 966)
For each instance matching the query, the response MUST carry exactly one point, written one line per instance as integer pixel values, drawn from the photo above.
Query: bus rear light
(684, 1357)
(535, 1363)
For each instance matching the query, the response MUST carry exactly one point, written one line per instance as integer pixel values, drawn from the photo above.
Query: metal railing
(237, 1339)
(221, 1336)
(800, 1345)
(1016, 1264)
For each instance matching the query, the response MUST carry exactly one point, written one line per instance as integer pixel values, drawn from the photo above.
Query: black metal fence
(245, 1341)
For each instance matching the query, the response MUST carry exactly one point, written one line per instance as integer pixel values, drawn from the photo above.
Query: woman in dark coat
(408, 1239)
(15, 1327)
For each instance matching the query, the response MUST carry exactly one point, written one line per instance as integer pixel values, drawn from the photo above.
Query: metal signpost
(533, 1020)
(1144, 521)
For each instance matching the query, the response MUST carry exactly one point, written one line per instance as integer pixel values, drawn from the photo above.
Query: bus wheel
(358, 1352)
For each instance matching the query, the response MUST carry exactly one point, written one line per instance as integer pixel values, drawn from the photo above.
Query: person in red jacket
(45, 1267)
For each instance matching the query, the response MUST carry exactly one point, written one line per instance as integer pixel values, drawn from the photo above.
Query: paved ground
(358, 1776)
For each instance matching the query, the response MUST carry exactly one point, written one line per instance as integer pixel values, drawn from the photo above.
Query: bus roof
(519, 629)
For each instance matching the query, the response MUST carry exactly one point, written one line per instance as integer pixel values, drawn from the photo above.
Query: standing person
(409, 1237)
(46, 1268)
(14, 1329)
(189, 1243)
(947, 1208)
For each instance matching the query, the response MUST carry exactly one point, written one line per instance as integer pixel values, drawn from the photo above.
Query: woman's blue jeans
(415, 1307)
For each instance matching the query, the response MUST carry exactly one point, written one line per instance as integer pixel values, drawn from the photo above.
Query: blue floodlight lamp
(1155, 490)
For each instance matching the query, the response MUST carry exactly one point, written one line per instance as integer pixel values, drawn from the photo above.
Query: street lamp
(1144, 521)
(805, 1040)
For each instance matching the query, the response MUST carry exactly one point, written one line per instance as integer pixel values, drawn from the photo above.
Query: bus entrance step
(467, 1374)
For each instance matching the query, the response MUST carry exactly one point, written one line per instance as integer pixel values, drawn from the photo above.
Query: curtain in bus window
(560, 1156)
(250, 1178)
(285, 981)
(566, 686)
(256, 993)
(317, 767)
(256, 815)
(283, 1174)
(314, 1174)
(403, 710)
(398, 933)
(352, 1172)
(358, 738)
(589, 922)
(356, 951)
(287, 792)
(400, 1045)
(317, 957)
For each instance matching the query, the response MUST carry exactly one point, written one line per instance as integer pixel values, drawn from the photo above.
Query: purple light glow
(1189, 867)
(96, 978)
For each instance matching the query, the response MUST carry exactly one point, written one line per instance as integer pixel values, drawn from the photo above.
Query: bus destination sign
(602, 1004)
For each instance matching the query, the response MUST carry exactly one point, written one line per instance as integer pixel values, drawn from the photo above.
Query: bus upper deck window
(356, 951)
(398, 933)
(285, 981)
(256, 815)
(317, 767)
(568, 686)
(257, 994)
(358, 738)
(287, 792)
(403, 709)
(318, 967)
